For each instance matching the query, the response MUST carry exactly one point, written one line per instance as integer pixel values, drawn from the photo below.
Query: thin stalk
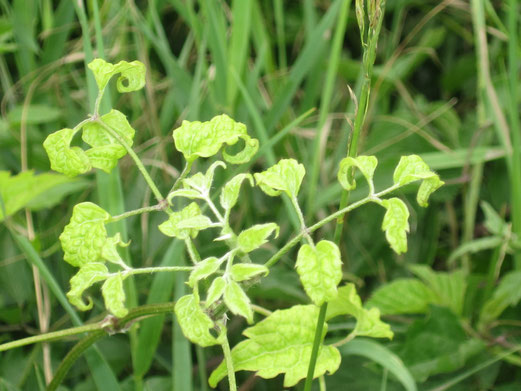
(134, 157)
(184, 173)
(228, 359)
(316, 346)
(192, 251)
(305, 232)
(158, 269)
(134, 212)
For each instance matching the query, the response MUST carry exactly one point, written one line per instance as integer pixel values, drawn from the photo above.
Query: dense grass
(445, 86)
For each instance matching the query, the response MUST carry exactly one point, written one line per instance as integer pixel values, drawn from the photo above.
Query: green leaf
(368, 321)
(204, 139)
(285, 176)
(282, 343)
(366, 164)
(215, 291)
(396, 224)
(88, 275)
(132, 74)
(320, 270)
(186, 193)
(194, 323)
(230, 191)
(114, 295)
(185, 223)
(254, 237)
(106, 150)
(237, 301)
(85, 236)
(69, 161)
(35, 114)
(109, 250)
(404, 296)
(412, 168)
(26, 188)
(245, 271)
(203, 183)
(204, 269)
(494, 223)
(506, 294)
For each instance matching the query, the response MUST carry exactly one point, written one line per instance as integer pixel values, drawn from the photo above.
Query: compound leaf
(254, 237)
(114, 295)
(320, 270)
(366, 164)
(194, 323)
(237, 301)
(204, 139)
(396, 224)
(282, 343)
(132, 74)
(245, 271)
(68, 160)
(83, 279)
(285, 176)
(412, 168)
(185, 223)
(230, 191)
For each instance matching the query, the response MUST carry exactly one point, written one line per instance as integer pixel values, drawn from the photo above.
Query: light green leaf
(186, 193)
(204, 139)
(132, 74)
(203, 183)
(106, 150)
(494, 223)
(237, 301)
(26, 189)
(63, 158)
(84, 237)
(320, 270)
(83, 279)
(396, 224)
(507, 293)
(230, 191)
(412, 168)
(285, 176)
(215, 291)
(254, 237)
(245, 271)
(185, 223)
(366, 164)
(204, 269)
(194, 323)
(368, 322)
(109, 250)
(114, 295)
(282, 343)
(403, 296)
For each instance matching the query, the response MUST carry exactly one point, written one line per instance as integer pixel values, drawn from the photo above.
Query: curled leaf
(194, 323)
(412, 168)
(132, 74)
(366, 164)
(68, 160)
(230, 191)
(396, 224)
(204, 139)
(185, 223)
(88, 275)
(246, 271)
(202, 183)
(285, 176)
(254, 237)
(114, 295)
(320, 270)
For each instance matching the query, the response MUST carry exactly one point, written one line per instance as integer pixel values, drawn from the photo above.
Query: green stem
(192, 251)
(159, 269)
(135, 157)
(228, 359)
(316, 346)
(134, 212)
(184, 173)
(345, 340)
(305, 232)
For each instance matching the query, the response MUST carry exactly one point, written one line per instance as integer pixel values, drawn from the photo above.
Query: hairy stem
(134, 212)
(228, 359)
(294, 201)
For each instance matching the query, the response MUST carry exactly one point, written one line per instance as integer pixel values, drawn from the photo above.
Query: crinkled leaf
(285, 176)
(114, 295)
(83, 279)
(396, 224)
(132, 74)
(320, 270)
(185, 223)
(109, 250)
(194, 323)
(368, 321)
(204, 269)
(230, 191)
(202, 183)
(204, 139)
(215, 291)
(412, 168)
(68, 160)
(254, 237)
(237, 301)
(245, 271)
(366, 164)
(282, 343)
(85, 236)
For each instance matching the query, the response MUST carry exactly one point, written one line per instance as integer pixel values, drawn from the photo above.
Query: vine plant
(282, 342)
